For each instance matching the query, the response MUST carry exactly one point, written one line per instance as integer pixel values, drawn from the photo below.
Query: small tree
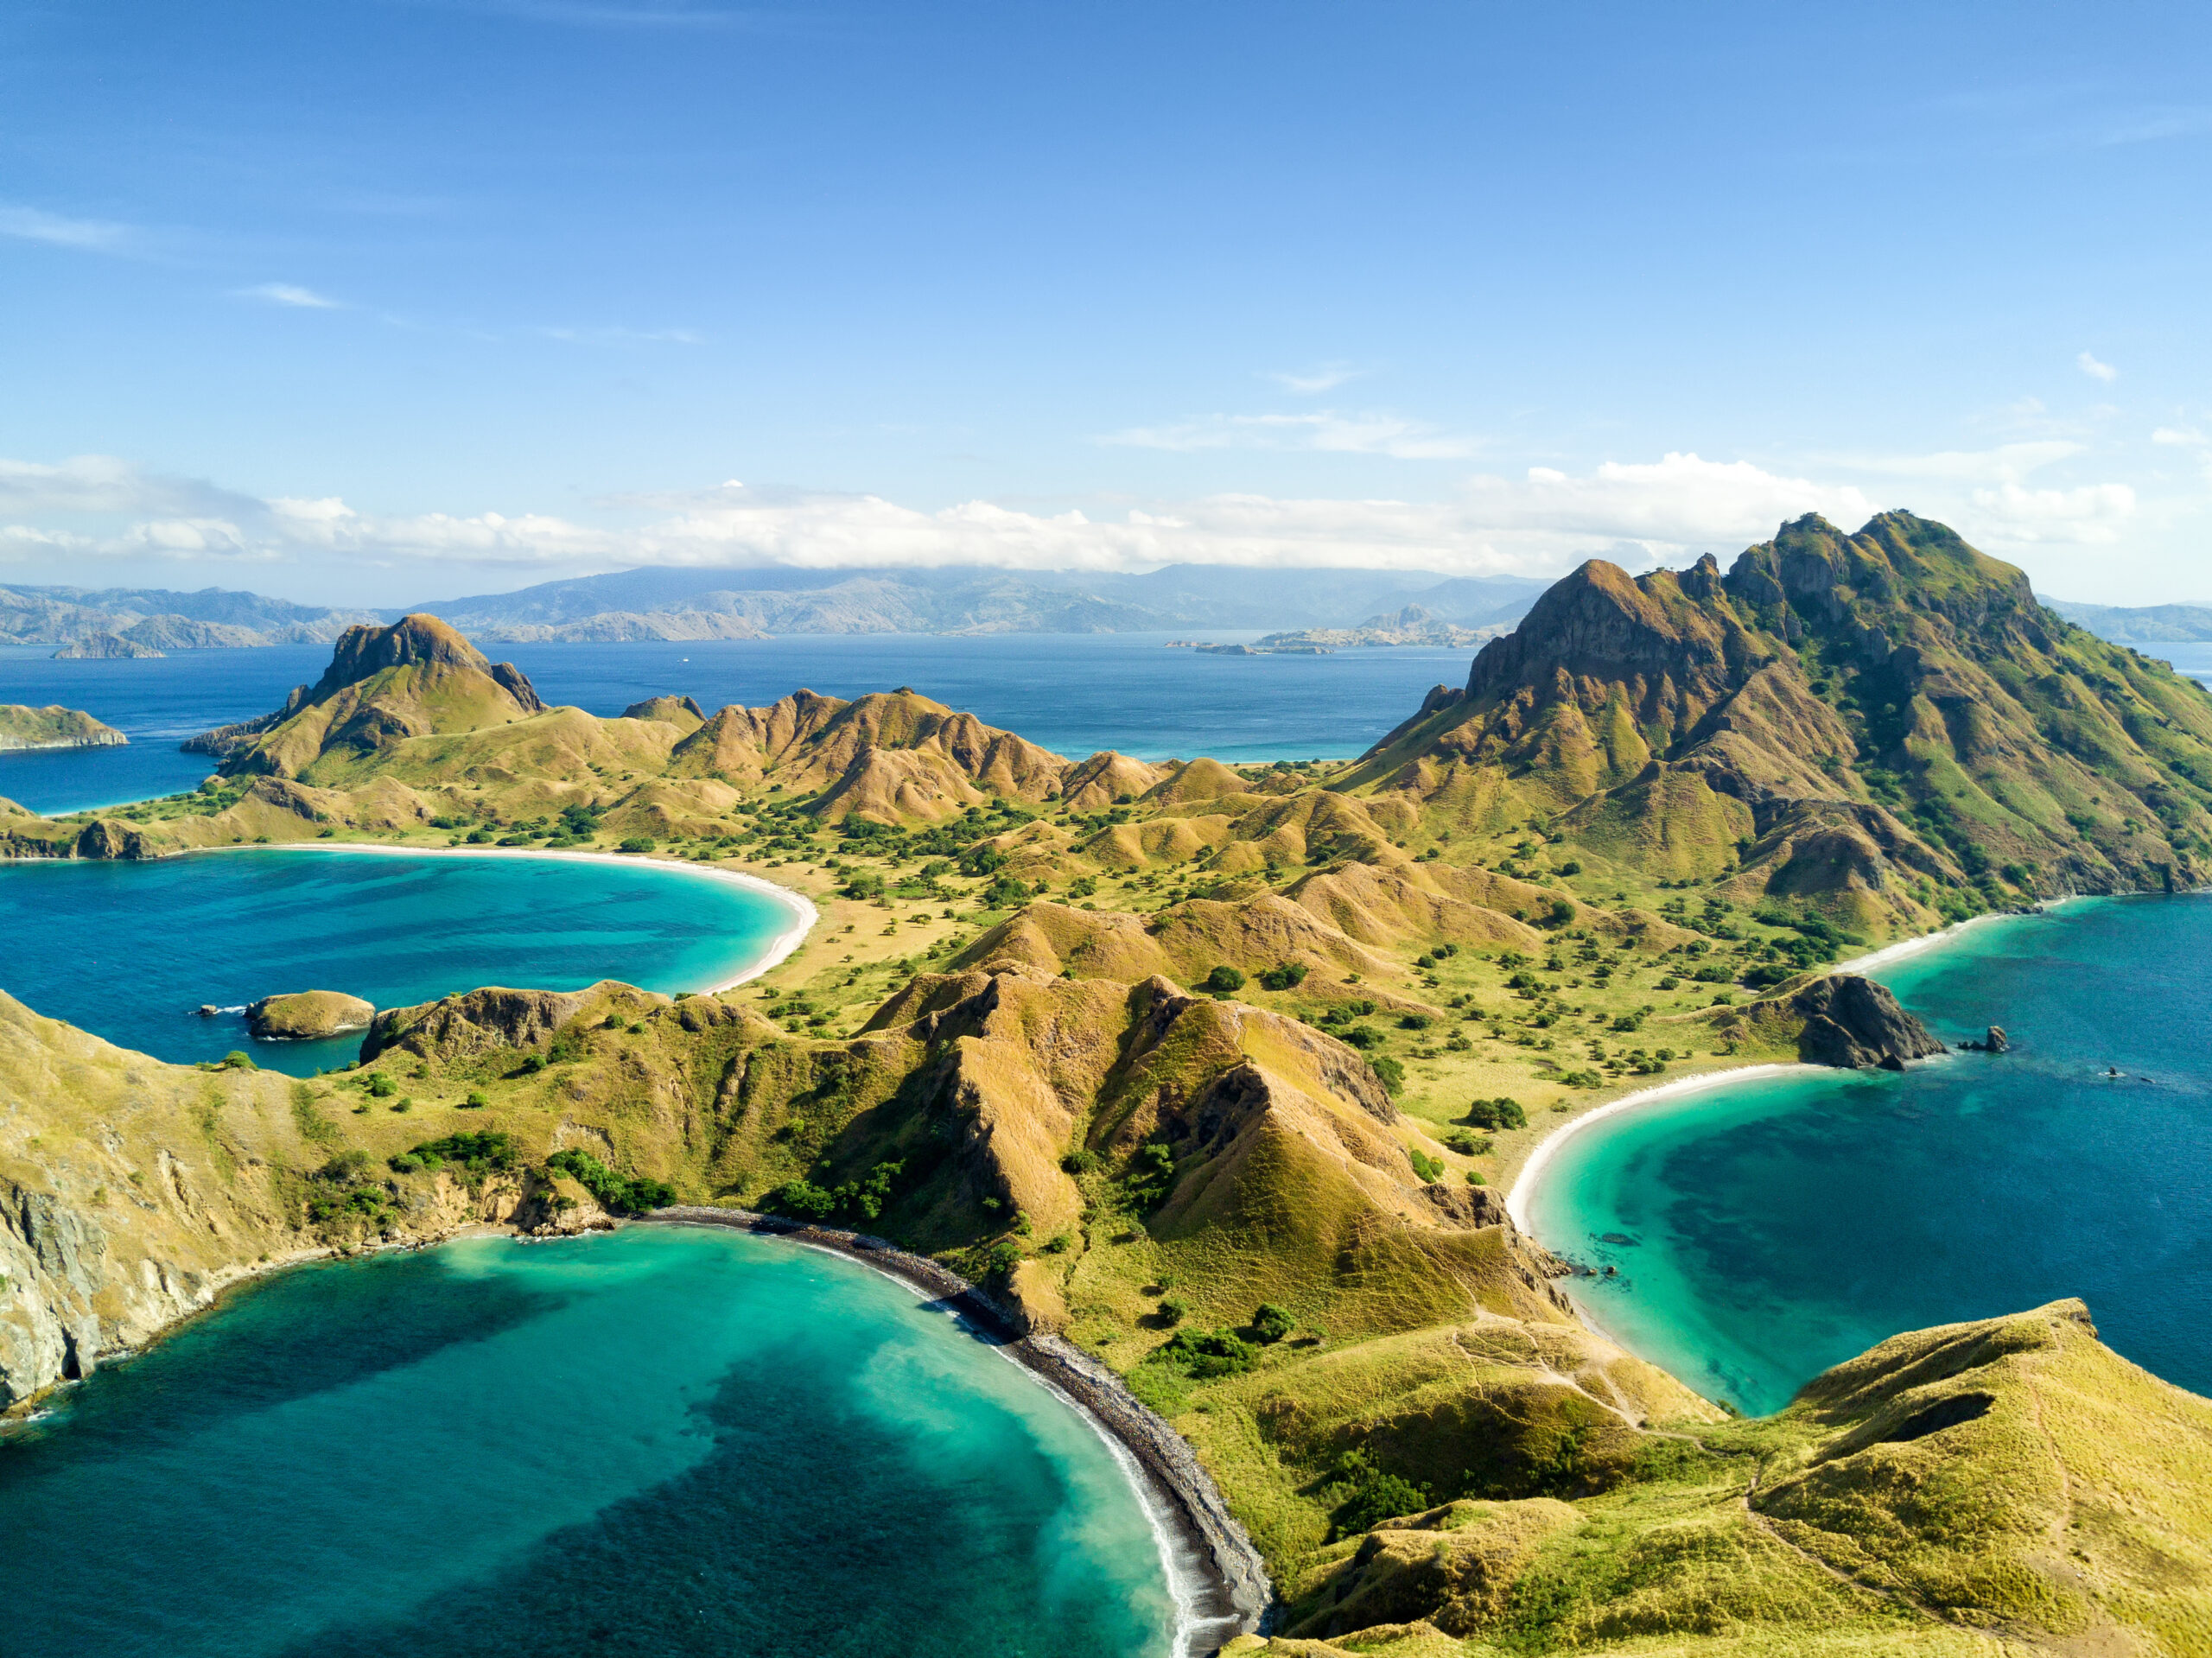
(1224, 981)
(1271, 1323)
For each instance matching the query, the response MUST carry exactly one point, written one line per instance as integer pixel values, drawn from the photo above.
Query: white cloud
(285, 293)
(1664, 511)
(2090, 515)
(1327, 378)
(2007, 462)
(1323, 431)
(2095, 370)
(30, 224)
(1540, 522)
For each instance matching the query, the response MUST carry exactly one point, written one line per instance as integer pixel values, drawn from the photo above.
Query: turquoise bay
(660, 1441)
(1776, 1226)
(128, 950)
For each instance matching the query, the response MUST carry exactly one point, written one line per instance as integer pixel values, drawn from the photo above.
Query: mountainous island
(1174, 1061)
(54, 726)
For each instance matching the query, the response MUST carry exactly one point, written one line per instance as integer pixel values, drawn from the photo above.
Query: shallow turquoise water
(1781, 1226)
(129, 950)
(658, 1442)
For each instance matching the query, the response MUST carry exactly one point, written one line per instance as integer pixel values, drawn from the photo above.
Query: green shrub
(1223, 981)
(476, 1100)
(1427, 1167)
(480, 1152)
(636, 843)
(1079, 1161)
(239, 1059)
(1364, 1496)
(1208, 1353)
(1174, 1309)
(633, 1195)
(1285, 975)
(1389, 1072)
(1004, 893)
(1150, 1176)
(1271, 1323)
(1468, 1145)
(1413, 1021)
(803, 1198)
(1498, 1114)
(381, 1087)
(1361, 1036)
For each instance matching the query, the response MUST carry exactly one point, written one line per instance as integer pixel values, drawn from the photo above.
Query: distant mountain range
(664, 603)
(2140, 625)
(148, 621)
(688, 604)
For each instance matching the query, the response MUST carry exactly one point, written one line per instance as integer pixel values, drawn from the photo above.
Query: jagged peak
(1600, 622)
(367, 649)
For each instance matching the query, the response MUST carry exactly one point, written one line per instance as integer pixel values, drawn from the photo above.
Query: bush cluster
(631, 1195)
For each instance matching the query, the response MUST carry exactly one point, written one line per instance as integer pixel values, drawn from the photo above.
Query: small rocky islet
(1172, 1061)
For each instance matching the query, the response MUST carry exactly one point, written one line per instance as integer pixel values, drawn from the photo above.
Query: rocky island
(308, 1016)
(54, 726)
(1174, 1063)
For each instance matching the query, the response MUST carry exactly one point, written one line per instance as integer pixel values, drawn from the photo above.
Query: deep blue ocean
(130, 950)
(655, 1444)
(1073, 693)
(1781, 1226)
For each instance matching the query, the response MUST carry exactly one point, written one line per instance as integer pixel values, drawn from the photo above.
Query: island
(54, 726)
(1206, 1082)
(1413, 624)
(105, 647)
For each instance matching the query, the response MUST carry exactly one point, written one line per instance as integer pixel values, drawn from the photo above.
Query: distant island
(1212, 1079)
(2140, 624)
(54, 728)
(105, 647)
(1413, 625)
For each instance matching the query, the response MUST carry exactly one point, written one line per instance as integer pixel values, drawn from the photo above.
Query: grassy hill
(1220, 1070)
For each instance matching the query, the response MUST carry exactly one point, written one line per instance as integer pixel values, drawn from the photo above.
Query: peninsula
(1217, 1074)
(54, 726)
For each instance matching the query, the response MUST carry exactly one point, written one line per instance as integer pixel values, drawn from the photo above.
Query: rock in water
(1855, 1024)
(304, 1015)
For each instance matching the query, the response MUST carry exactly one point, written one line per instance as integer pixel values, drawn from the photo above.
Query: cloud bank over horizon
(82, 522)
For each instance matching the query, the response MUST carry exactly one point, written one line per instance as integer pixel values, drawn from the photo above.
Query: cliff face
(1867, 723)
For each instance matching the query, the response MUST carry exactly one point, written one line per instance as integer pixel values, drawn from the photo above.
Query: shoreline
(1236, 1596)
(780, 949)
(1532, 1166)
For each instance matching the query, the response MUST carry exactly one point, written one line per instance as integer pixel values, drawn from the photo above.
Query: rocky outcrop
(1995, 1042)
(1855, 1024)
(106, 838)
(485, 1021)
(308, 1016)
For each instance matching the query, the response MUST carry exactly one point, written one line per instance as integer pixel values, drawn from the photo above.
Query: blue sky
(371, 301)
